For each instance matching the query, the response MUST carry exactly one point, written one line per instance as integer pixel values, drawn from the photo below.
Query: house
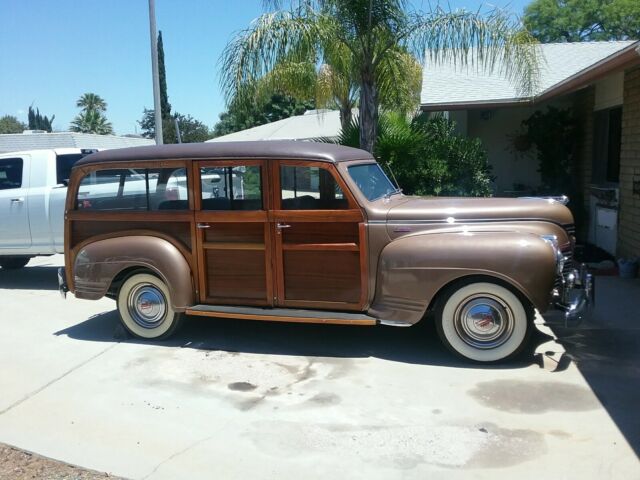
(600, 83)
(40, 140)
(311, 125)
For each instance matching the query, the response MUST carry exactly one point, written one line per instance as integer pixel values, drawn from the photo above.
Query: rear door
(233, 234)
(14, 217)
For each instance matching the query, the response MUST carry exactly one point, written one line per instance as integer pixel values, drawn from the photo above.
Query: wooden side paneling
(322, 276)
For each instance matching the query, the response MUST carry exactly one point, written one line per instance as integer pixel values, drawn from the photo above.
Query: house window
(606, 145)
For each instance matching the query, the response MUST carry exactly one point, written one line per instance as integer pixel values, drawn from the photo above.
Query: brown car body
(386, 261)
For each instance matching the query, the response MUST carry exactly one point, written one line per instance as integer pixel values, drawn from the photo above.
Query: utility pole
(154, 69)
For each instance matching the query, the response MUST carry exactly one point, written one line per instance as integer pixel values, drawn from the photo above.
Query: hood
(440, 209)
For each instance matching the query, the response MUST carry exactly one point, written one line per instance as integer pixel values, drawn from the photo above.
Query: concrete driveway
(237, 399)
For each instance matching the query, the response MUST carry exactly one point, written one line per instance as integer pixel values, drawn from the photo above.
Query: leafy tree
(583, 20)
(555, 135)
(374, 34)
(240, 117)
(10, 124)
(427, 156)
(39, 122)
(191, 130)
(92, 118)
(91, 101)
(91, 121)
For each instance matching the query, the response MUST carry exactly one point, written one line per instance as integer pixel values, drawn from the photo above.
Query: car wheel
(483, 321)
(13, 263)
(145, 307)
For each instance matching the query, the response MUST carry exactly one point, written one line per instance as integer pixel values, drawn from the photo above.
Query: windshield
(372, 181)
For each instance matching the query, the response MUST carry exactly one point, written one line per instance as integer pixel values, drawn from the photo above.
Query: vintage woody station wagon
(308, 232)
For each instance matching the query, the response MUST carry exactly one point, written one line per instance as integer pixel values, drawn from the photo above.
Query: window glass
(371, 180)
(310, 188)
(10, 173)
(134, 189)
(231, 188)
(64, 164)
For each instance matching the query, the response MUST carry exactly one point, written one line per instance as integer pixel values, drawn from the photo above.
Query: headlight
(553, 241)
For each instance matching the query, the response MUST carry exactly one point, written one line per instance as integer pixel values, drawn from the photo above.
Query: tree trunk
(345, 116)
(368, 110)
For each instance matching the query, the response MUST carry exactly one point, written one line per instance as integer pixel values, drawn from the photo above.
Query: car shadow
(30, 278)
(417, 345)
(609, 361)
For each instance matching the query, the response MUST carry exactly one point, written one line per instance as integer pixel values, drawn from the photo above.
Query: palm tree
(91, 121)
(334, 84)
(91, 101)
(375, 33)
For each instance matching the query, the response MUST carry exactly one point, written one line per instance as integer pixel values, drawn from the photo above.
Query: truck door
(14, 218)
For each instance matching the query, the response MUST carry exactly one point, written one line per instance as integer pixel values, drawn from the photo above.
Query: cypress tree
(165, 107)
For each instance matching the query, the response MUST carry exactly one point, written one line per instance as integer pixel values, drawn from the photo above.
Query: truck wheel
(13, 263)
(145, 307)
(483, 321)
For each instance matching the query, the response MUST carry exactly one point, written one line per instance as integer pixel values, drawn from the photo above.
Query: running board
(282, 315)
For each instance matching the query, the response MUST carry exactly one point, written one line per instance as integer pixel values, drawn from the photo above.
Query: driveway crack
(51, 382)
(176, 454)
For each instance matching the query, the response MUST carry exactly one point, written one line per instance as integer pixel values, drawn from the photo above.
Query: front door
(14, 184)
(319, 238)
(233, 233)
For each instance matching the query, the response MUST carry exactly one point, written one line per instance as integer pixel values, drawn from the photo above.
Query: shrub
(427, 156)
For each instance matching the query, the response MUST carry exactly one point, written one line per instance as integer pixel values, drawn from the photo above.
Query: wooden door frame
(239, 216)
(353, 214)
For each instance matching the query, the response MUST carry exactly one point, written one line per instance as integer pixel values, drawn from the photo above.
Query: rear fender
(98, 263)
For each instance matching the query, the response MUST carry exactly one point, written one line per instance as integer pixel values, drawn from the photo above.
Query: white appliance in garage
(603, 218)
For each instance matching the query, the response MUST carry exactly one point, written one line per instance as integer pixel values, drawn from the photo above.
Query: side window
(10, 173)
(64, 164)
(310, 188)
(231, 188)
(134, 189)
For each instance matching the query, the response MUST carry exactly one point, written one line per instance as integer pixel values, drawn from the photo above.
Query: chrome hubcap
(147, 305)
(483, 321)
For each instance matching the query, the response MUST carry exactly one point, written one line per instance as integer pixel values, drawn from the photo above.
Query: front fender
(99, 262)
(414, 268)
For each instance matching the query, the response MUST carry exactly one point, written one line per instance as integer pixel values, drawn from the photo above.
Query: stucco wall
(629, 229)
(494, 127)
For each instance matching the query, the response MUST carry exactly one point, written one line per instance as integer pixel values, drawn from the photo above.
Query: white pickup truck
(33, 190)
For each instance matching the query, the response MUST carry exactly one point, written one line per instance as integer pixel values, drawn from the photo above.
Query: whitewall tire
(483, 321)
(144, 304)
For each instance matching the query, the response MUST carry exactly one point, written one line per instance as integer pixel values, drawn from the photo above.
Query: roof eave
(623, 59)
(508, 102)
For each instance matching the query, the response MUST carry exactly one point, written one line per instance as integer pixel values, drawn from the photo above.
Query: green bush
(427, 156)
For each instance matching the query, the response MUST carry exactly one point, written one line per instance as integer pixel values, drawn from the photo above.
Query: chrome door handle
(17, 200)
(281, 226)
(203, 225)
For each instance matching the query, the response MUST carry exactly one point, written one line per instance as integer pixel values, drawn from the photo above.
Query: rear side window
(64, 164)
(10, 173)
(231, 188)
(134, 189)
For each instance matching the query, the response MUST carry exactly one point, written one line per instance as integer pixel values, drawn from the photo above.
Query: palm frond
(481, 40)
(271, 38)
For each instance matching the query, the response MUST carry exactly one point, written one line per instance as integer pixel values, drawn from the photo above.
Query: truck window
(134, 189)
(64, 164)
(10, 173)
(310, 188)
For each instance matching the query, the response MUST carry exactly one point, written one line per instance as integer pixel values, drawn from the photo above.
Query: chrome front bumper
(575, 297)
(62, 283)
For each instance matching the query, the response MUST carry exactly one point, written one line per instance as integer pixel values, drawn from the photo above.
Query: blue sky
(53, 51)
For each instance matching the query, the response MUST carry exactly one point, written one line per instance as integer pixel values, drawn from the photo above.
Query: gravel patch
(16, 464)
